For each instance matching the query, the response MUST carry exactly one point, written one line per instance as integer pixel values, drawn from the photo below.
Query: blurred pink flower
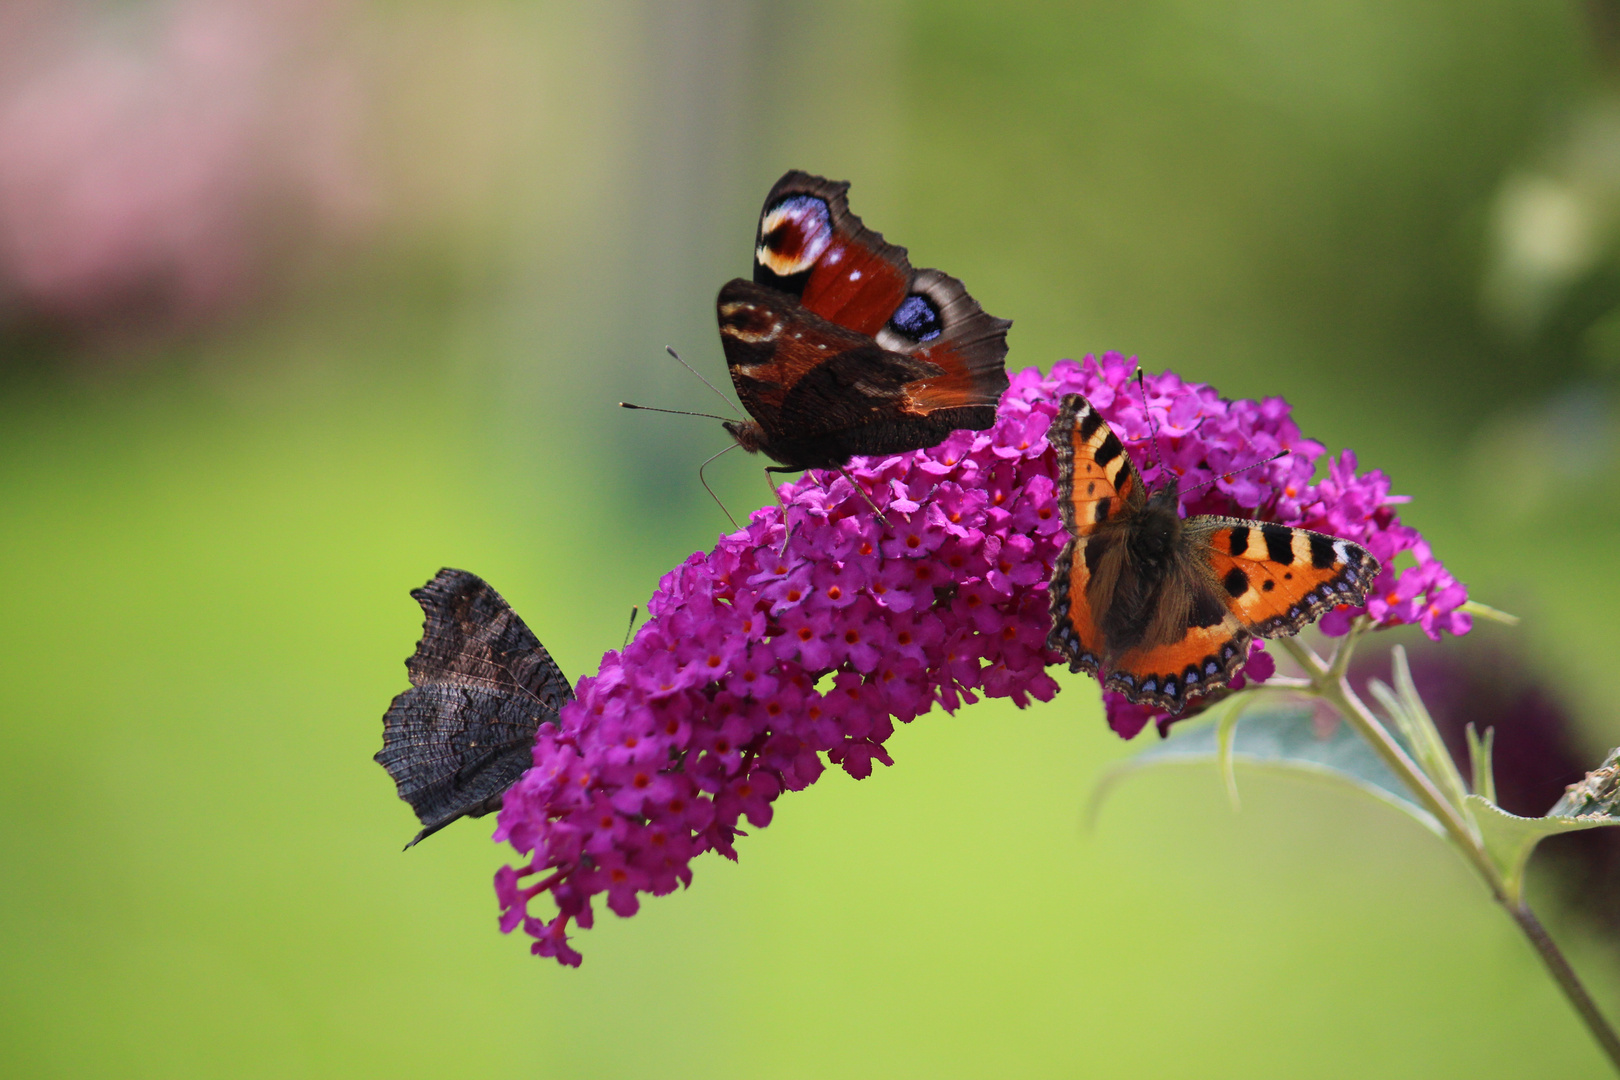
(155, 162)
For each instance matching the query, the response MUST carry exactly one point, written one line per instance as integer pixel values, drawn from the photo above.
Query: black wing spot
(1267, 585)
(1089, 423)
(1207, 610)
(1236, 582)
(1238, 542)
(1093, 555)
(1322, 555)
(1110, 449)
(1103, 506)
(1279, 542)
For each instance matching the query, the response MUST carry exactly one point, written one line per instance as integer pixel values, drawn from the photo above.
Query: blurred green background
(300, 301)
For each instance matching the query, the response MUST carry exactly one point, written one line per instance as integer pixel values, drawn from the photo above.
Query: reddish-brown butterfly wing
(810, 246)
(818, 256)
(940, 323)
(820, 393)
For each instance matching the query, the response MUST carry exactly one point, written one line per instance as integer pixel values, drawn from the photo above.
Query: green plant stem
(1329, 683)
(1568, 981)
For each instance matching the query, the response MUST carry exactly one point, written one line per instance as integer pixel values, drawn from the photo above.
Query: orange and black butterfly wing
(1167, 676)
(481, 685)
(1097, 483)
(810, 246)
(1239, 579)
(1276, 579)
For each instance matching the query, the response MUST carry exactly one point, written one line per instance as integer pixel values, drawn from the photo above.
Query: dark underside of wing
(853, 404)
(481, 686)
(453, 750)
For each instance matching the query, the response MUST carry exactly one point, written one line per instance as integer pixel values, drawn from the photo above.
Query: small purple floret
(755, 668)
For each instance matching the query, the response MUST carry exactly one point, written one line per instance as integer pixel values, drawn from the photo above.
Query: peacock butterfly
(481, 686)
(838, 347)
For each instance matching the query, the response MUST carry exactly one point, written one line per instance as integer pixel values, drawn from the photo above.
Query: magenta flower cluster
(755, 665)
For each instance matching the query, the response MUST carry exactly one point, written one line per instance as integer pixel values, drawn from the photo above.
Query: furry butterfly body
(1162, 609)
(838, 347)
(481, 686)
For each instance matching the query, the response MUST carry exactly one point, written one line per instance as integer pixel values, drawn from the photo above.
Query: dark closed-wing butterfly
(838, 347)
(481, 685)
(1163, 609)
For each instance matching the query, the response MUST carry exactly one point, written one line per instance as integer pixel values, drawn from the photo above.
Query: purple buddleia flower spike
(756, 667)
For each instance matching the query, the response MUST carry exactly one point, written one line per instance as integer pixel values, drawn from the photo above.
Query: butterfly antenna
(1234, 472)
(634, 611)
(710, 490)
(675, 412)
(670, 349)
(1153, 428)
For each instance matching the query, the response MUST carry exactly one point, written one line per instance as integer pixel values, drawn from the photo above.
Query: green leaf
(1279, 738)
(1509, 839)
(1485, 611)
(1416, 727)
(1479, 761)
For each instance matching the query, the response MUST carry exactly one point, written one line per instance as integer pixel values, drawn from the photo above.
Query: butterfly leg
(710, 490)
(881, 519)
(787, 526)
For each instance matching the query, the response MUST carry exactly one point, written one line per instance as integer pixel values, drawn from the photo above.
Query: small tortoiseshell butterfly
(1163, 610)
(481, 685)
(839, 348)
